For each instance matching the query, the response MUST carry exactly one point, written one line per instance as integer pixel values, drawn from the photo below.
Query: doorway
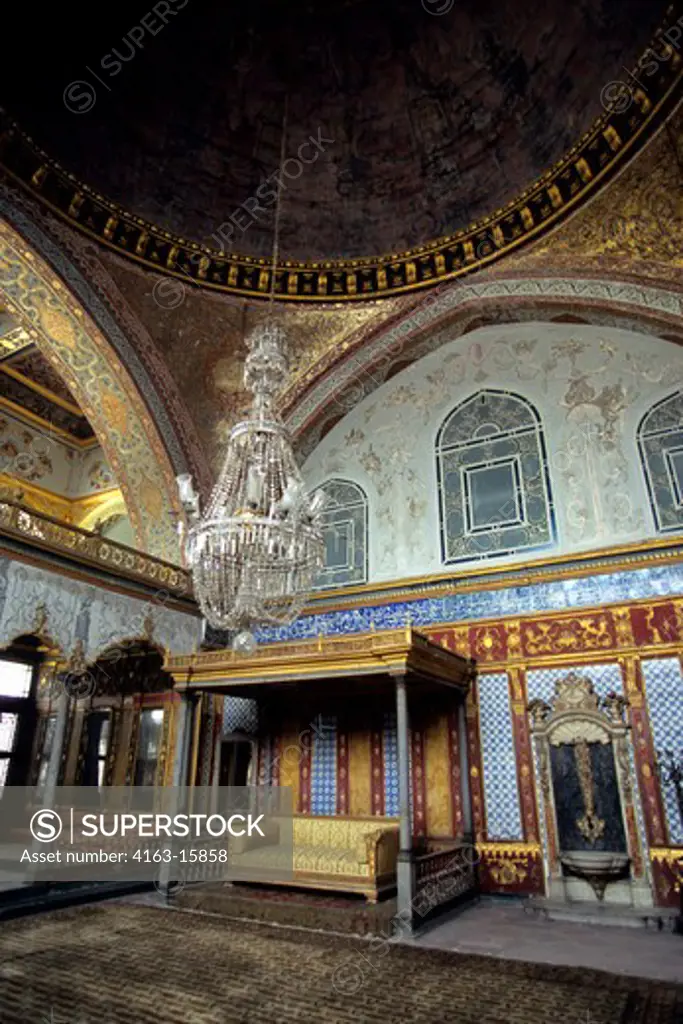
(235, 764)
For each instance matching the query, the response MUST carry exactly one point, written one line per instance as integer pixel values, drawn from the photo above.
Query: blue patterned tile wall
(555, 595)
(324, 766)
(501, 795)
(541, 682)
(240, 715)
(390, 744)
(664, 691)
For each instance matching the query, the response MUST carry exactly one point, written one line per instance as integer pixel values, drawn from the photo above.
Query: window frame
(533, 426)
(144, 762)
(644, 441)
(24, 707)
(352, 506)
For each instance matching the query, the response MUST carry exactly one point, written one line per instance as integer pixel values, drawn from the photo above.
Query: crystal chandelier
(255, 552)
(257, 549)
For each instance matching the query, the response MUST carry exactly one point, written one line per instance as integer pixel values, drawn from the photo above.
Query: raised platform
(345, 914)
(609, 914)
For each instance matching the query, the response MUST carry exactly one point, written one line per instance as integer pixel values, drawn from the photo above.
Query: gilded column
(305, 765)
(377, 767)
(455, 774)
(475, 764)
(643, 750)
(417, 742)
(290, 761)
(524, 755)
(342, 764)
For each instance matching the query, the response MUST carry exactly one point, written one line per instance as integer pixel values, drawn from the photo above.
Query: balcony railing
(89, 549)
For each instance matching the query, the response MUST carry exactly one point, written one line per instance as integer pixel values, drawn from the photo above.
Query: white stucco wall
(590, 385)
(43, 458)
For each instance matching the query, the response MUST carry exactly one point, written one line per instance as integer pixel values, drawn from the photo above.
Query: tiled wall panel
(541, 682)
(498, 759)
(324, 766)
(391, 797)
(664, 692)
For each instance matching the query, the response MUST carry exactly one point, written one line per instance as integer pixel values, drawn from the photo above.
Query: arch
(342, 377)
(660, 446)
(345, 529)
(509, 411)
(493, 481)
(69, 338)
(114, 505)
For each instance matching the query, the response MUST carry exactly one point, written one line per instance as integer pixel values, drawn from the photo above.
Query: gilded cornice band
(636, 111)
(401, 651)
(636, 555)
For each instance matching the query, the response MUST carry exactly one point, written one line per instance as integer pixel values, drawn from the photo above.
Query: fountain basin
(597, 867)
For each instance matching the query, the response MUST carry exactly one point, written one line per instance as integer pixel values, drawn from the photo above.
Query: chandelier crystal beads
(257, 549)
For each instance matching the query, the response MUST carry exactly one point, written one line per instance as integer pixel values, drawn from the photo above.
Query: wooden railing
(443, 876)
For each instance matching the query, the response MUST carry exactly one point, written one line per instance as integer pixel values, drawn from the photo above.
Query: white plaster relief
(640, 298)
(590, 385)
(69, 605)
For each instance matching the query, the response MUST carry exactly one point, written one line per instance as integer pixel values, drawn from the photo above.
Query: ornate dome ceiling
(423, 121)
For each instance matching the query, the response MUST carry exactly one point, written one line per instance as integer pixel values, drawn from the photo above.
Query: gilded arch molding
(80, 352)
(338, 382)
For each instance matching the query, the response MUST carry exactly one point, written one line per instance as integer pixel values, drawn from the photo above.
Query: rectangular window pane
(8, 727)
(15, 679)
(150, 733)
(493, 495)
(148, 747)
(104, 738)
(4, 768)
(337, 546)
(675, 460)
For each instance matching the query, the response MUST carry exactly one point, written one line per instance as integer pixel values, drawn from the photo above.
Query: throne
(593, 848)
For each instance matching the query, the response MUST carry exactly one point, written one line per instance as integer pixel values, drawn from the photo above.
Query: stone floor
(136, 964)
(506, 931)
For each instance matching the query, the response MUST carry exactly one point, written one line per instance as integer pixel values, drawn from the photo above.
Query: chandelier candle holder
(256, 550)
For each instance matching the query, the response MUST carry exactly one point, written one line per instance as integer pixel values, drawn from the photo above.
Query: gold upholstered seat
(340, 853)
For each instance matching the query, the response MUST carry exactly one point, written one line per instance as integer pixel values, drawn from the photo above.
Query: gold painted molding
(40, 390)
(643, 554)
(87, 549)
(71, 511)
(509, 849)
(667, 855)
(390, 651)
(84, 357)
(33, 420)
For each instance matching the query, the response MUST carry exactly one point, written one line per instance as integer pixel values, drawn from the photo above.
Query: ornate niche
(593, 847)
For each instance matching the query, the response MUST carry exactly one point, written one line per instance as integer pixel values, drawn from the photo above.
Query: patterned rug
(132, 964)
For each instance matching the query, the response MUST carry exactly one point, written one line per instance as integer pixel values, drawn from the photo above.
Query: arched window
(660, 443)
(494, 488)
(345, 528)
